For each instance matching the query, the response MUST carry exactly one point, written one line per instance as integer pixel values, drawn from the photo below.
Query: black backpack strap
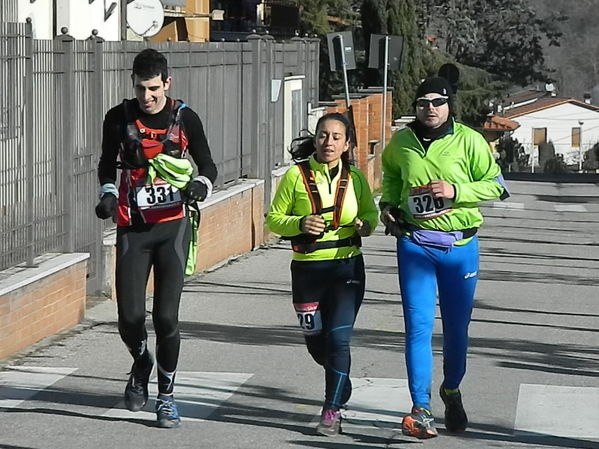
(310, 247)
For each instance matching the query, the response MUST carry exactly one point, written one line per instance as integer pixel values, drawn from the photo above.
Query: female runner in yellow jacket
(324, 206)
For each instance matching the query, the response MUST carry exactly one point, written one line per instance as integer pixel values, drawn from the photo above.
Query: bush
(591, 158)
(555, 165)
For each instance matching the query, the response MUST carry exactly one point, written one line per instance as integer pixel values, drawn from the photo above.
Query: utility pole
(124, 19)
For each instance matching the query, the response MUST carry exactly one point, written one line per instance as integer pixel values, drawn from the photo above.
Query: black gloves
(392, 218)
(195, 191)
(106, 208)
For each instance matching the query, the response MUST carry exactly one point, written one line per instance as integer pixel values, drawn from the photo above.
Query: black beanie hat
(435, 85)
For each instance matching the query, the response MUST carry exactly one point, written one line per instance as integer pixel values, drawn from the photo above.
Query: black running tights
(163, 246)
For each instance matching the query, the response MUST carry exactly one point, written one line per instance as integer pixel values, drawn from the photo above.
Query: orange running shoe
(420, 424)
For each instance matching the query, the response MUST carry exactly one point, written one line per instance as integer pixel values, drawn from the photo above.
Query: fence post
(314, 49)
(269, 119)
(29, 147)
(66, 44)
(255, 117)
(97, 44)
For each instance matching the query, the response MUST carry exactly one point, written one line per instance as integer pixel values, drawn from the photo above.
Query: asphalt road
(245, 379)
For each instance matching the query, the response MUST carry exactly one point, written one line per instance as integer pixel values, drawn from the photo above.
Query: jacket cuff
(108, 188)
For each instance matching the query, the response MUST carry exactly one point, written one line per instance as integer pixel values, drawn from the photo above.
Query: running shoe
(456, 419)
(136, 391)
(420, 424)
(330, 423)
(166, 412)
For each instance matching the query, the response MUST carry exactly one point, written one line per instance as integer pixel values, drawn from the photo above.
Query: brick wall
(367, 119)
(35, 310)
(232, 226)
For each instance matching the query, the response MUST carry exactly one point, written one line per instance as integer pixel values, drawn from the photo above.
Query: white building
(571, 125)
(80, 17)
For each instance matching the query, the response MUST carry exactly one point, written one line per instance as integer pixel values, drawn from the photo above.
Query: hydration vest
(154, 200)
(143, 143)
(306, 243)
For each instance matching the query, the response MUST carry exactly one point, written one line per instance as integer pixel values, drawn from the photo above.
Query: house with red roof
(571, 125)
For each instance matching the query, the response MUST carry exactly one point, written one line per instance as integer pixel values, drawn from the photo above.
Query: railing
(52, 102)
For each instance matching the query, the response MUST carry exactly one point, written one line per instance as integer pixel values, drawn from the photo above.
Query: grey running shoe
(330, 423)
(166, 412)
(420, 424)
(136, 391)
(456, 419)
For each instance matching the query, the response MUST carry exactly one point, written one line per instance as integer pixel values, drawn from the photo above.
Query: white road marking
(563, 207)
(376, 401)
(197, 394)
(568, 412)
(508, 205)
(20, 383)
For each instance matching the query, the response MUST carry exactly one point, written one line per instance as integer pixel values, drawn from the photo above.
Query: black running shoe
(420, 424)
(166, 412)
(136, 391)
(456, 420)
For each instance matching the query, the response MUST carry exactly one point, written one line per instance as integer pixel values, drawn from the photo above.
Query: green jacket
(461, 158)
(291, 203)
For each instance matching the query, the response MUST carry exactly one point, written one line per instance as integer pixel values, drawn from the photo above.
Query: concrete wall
(41, 15)
(81, 17)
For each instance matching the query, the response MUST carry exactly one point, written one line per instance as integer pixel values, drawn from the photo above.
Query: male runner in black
(153, 229)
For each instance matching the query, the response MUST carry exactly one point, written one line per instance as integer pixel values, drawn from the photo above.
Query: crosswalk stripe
(20, 383)
(376, 401)
(508, 205)
(198, 395)
(561, 207)
(379, 402)
(568, 412)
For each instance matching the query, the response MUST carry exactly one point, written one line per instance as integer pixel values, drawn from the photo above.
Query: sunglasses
(423, 103)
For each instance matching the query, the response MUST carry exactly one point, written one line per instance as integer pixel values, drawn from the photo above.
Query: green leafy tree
(394, 17)
(397, 17)
(504, 37)
(317, 18)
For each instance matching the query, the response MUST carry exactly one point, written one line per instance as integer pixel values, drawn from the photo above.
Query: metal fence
(8, 11)
(52, 102)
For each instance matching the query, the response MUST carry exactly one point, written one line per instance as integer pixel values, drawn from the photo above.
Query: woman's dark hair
(303, 147)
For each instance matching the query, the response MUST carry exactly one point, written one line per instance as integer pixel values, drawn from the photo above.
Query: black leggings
(163, 246)
(327, 295)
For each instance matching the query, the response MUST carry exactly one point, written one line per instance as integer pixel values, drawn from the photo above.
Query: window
(539, 136)
(576, 137)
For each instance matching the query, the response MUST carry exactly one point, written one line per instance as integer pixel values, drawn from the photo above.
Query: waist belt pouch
(439, 239)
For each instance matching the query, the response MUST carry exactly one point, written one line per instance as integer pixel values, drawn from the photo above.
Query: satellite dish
(145, 17)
